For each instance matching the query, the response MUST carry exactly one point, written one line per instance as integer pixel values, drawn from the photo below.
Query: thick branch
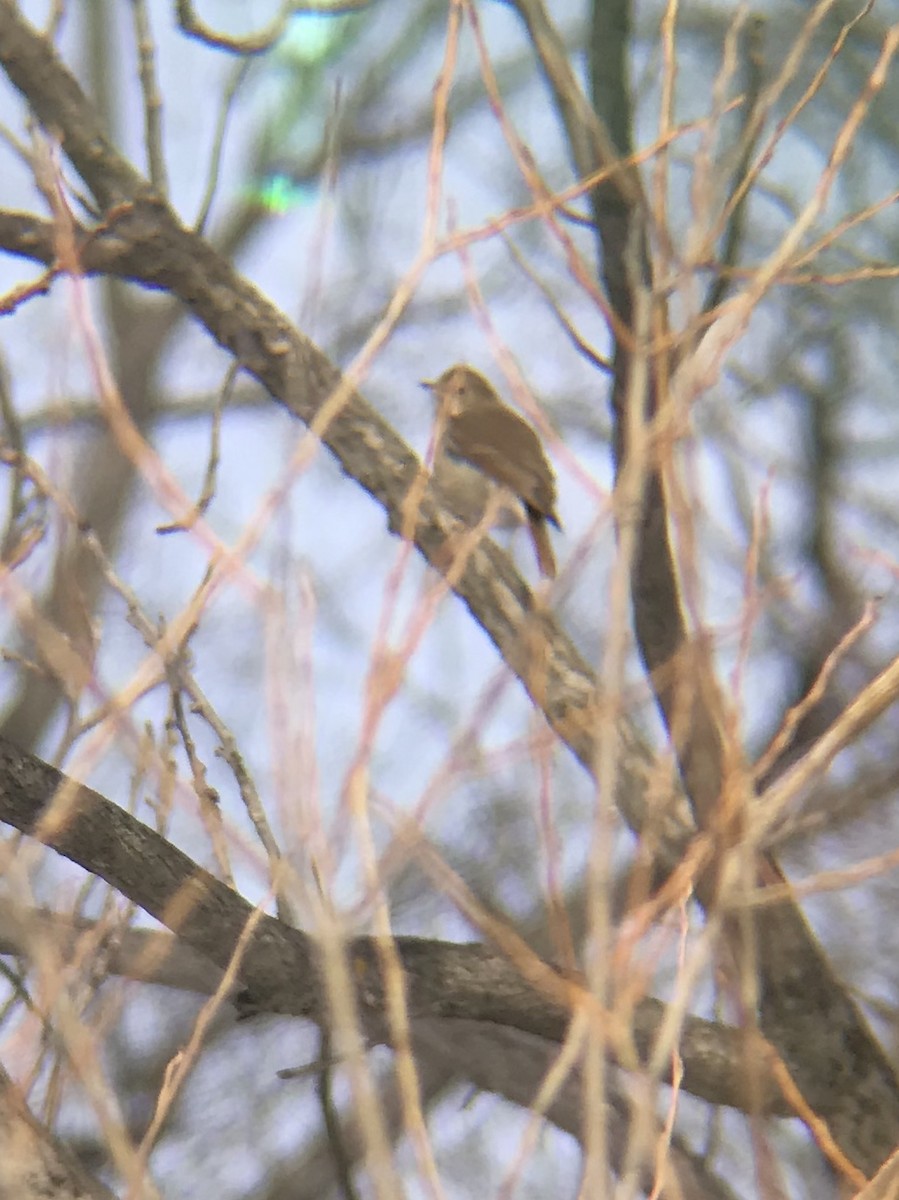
(279, 968)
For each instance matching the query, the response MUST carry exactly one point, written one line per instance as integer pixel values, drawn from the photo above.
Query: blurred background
(307, 164)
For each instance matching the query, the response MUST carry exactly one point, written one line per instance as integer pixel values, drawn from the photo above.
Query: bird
(479, 429)
(469, 495)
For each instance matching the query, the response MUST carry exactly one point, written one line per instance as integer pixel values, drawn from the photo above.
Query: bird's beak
(430, 384)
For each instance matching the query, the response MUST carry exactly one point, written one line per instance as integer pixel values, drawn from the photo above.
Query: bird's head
(460, 389)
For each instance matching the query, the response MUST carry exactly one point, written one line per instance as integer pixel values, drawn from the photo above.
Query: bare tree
(622, 862)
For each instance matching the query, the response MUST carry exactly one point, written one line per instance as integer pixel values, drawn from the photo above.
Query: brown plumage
(479, 429)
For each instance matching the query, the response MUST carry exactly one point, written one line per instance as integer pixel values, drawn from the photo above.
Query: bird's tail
(546, 559)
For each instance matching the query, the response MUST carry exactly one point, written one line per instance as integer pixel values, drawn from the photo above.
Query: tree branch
(279, 967)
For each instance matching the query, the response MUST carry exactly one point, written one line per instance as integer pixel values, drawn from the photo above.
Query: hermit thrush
(479, 429)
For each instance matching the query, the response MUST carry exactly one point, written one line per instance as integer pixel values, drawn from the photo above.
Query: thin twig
(149, 86)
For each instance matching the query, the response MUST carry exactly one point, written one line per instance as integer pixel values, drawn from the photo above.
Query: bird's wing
(508, 450)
